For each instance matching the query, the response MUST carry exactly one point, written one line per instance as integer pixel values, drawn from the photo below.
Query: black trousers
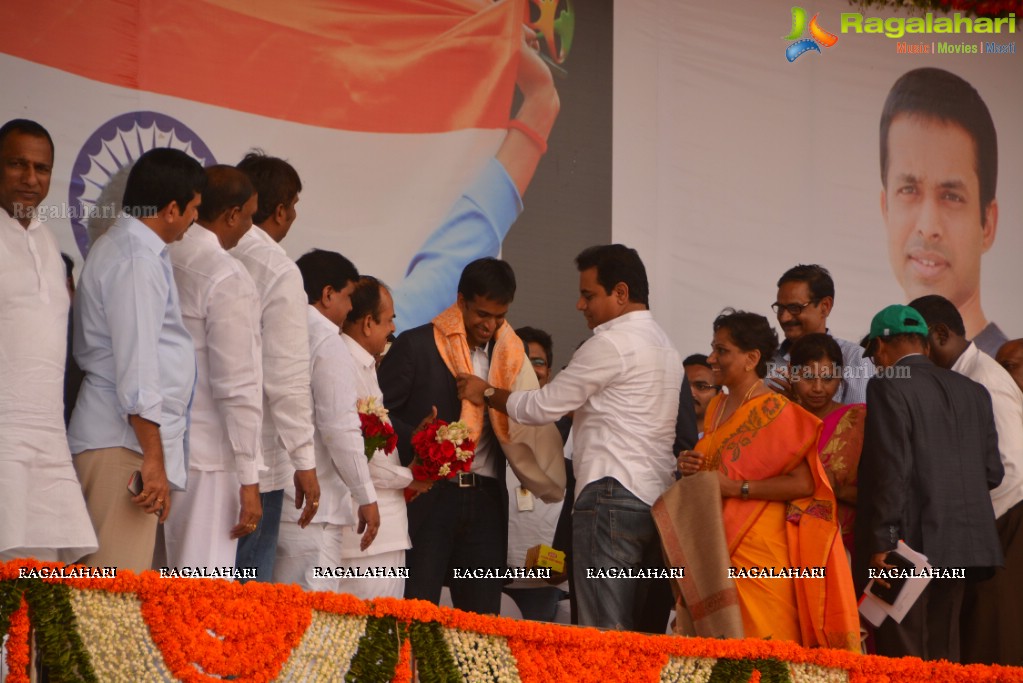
(930, 630)
(453, 529)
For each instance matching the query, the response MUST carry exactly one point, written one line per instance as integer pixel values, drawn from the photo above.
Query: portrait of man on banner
(939, 173)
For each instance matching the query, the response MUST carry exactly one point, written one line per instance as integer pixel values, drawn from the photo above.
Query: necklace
(721, 409)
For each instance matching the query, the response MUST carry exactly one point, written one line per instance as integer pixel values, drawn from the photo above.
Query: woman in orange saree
(778, 509)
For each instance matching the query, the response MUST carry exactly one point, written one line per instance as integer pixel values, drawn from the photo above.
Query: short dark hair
(817, 346)
(226, 188)
(366, 299)
(489, 278)
(617, 263)
(537, 336)
(25, 127)
(936, 309)
(275, 180)
(750, 332)
(696, 359)
(161, 177)
(817, 278)
(321, 268)
(938, 94)
(907, 337)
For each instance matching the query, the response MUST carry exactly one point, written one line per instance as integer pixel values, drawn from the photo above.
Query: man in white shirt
(287, 432)
(42, 511)
(341, 465)
(367, 328)
(992, 616)
(623, 384)
(220, 309)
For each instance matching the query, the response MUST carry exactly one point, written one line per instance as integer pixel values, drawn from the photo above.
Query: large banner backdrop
(388, 110)
(732, 164)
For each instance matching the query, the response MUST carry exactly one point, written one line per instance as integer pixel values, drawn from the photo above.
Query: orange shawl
(534, 453)
(766, 437)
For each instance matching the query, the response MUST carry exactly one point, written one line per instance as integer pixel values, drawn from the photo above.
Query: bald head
(1010, 357)
(228, 203)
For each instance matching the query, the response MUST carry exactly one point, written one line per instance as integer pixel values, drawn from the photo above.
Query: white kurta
(220, 309)
(42, 510)
(389, 476)
(390, 479)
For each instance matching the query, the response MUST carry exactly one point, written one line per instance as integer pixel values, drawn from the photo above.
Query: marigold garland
(206, 634)
(17, 644)
(403, 671)
(192, 605)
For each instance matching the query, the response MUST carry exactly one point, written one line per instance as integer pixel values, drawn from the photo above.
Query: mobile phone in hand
(135, 483)
(895, 582)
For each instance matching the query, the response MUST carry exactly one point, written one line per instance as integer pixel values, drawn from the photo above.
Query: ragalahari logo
(818, 36)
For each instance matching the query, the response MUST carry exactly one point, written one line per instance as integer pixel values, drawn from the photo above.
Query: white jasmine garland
(116, 637)
(326, 650)
(811, 673)
(482, 658)
(695, 669)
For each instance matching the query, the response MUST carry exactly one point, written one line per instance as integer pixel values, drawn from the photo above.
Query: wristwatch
(744, 490)
(487, 393)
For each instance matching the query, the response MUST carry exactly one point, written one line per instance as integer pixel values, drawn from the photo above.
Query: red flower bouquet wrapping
(442, 451)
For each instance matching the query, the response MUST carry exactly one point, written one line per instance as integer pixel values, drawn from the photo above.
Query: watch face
(489, 392)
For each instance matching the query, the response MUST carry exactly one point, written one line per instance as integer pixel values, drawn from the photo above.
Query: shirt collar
(197, 232)
(967, 358)
(624, 318)
(362, 357)
(261, 235)
(786, 344)
(9, 220)
(321, 322)
(144, 235)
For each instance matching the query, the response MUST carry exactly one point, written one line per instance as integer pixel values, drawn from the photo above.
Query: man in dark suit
(462, 522)
(930, 456)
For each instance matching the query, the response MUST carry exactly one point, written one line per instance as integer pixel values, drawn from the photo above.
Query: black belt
(470, 480)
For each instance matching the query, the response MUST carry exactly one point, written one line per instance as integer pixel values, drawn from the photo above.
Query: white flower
(368, 405)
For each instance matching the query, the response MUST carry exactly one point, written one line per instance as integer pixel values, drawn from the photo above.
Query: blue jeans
(259, 548)
(611, 528)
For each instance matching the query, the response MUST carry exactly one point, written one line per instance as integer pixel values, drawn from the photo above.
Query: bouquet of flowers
(377, 432)
(442, 451)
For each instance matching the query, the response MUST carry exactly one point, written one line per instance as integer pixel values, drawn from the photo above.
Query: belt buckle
(466, 480)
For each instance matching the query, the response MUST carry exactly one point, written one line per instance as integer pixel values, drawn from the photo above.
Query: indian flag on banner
(388, 109)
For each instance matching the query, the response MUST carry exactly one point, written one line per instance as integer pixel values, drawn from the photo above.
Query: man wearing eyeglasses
(806, 295)
(701, 385)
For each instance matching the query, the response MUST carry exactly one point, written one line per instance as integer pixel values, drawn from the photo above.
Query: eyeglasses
(538, 362)
(792, 309)
(703, 386)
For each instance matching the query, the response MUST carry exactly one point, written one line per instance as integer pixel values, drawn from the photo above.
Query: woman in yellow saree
(779, 511)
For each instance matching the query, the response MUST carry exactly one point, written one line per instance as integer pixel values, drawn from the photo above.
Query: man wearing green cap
(930, 457)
